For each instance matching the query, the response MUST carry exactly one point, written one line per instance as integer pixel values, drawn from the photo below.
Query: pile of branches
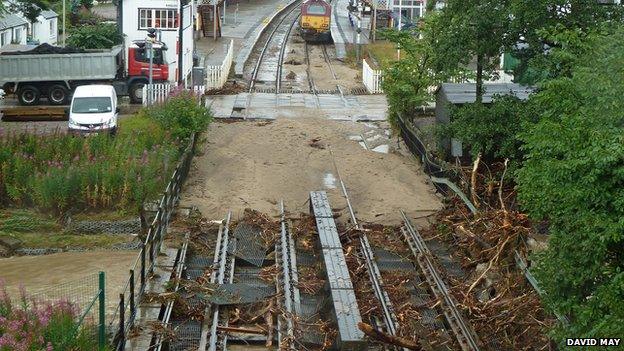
(501, 304)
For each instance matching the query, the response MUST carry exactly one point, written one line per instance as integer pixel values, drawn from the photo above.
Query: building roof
(10, 20)
(462, 93)
(48, 14)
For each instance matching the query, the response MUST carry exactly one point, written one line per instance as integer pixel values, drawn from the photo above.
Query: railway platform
(244, 20)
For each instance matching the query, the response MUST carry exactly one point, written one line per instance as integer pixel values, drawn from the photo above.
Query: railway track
(466, 337)
(268, 67)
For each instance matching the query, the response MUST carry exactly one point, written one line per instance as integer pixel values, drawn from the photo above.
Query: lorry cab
(93, 110)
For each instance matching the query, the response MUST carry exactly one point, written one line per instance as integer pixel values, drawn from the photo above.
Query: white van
(93, 110)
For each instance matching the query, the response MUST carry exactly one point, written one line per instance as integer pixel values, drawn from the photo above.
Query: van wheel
(136, 92)
(29, 95)
(58, 95)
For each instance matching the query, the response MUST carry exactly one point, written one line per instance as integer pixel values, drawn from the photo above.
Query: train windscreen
(316, 10)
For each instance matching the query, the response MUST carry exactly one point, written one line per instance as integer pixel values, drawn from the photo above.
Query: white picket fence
(216, 76)
(160, 92)
(372, 78)
(156, 93)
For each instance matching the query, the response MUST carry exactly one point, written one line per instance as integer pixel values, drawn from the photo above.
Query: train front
(315, 21)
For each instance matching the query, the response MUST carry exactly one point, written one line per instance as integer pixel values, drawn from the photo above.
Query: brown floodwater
(37, 273)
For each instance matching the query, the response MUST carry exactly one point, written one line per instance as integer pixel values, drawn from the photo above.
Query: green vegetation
(36, 325)
(572, 177)
(491, 130)
(56, 173)
(566, 141)
(98, 36)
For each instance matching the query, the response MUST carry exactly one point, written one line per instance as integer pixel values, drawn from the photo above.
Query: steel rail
(222, 261)
(256, 70)
(328, 60)
(280, 59)
(389, 316)
(284, 259)
(464, 333)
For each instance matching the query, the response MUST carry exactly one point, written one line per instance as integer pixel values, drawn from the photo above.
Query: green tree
(31, 9)
(491, 130)
(573, 177)
(473, 29)
(407, 82)
(534, 28)
(102, 36)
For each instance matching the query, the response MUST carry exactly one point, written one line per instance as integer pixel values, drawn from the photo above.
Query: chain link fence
(76, 313)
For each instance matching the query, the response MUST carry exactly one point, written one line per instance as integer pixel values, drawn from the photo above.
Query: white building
(45, 30)
(136, 16)
(13, 30)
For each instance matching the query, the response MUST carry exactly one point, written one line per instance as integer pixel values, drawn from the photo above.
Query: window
(5, 38)
(142, 55)
(17, 36)
(316, 9)
(53, 27)
(158, 18)
(92, 105)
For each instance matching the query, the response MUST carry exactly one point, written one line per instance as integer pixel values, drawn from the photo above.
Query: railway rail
(466, 337)
(275, 41)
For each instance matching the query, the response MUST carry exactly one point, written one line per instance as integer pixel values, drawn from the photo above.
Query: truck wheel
(136, 92)
(58, 95)
(29, 95)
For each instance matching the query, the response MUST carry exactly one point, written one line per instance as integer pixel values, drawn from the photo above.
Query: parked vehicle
(94, 109)
(55, 72)
(315, 21)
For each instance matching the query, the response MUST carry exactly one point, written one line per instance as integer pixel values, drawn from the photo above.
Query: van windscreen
(92, 105)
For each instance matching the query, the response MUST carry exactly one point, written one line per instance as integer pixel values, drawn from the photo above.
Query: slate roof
(48, 14)
(462, 93)
(11, 21)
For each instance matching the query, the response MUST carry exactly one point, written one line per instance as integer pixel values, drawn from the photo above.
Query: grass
(380, 54)
(383, 52)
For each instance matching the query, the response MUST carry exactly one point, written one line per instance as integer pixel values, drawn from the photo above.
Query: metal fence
(372, 78)
(124, 317)
(216, 76)
(84, 301)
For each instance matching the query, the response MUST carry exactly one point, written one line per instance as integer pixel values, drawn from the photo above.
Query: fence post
(122, 322)
(102, 307)
(132, 306)
(142, 267)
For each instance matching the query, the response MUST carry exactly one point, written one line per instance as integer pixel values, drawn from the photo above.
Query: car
(93, 110)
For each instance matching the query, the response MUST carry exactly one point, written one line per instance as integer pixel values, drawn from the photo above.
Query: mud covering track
(249, 164)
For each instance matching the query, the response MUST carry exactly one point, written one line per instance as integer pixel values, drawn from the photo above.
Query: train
(315, 21)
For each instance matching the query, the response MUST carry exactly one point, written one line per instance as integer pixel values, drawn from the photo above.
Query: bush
(38, 325)
(181, 115)
(100, 36)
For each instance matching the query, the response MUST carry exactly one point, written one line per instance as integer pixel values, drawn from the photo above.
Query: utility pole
(64, 36)
(374, 26)
(215, 17)
(400, 26)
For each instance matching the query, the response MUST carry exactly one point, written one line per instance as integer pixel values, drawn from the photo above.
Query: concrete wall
(41, 30)
(130, 27)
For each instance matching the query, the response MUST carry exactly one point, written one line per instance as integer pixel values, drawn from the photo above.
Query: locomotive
(315, 21)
